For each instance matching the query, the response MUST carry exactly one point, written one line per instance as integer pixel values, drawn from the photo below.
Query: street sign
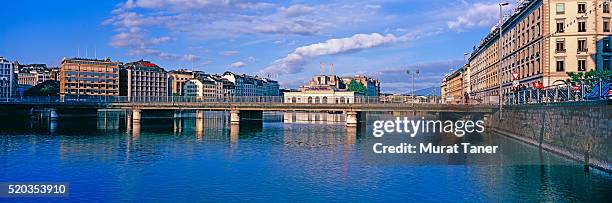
(515, 75)
(515, 83)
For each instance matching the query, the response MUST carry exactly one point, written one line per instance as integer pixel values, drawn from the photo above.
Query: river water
(287, 157)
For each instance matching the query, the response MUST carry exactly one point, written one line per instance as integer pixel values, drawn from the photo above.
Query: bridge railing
(584, 90)
(93, 100)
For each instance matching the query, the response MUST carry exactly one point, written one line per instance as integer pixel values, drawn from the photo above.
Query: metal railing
(584, 90)
(93, 100)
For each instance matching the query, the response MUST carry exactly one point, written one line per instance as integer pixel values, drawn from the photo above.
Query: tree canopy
(47, 88)
(357, 87)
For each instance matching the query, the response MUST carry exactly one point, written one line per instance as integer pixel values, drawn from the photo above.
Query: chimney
(322, 69)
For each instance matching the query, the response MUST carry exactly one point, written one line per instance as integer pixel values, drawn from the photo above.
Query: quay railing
(584, 90)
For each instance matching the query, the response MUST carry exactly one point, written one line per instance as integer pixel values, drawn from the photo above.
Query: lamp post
(413, 75)
(499, 47)
(463, 93)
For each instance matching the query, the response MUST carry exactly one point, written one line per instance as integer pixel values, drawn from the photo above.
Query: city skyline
(375, 38)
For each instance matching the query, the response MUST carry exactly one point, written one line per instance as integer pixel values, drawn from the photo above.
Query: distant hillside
(435, 91)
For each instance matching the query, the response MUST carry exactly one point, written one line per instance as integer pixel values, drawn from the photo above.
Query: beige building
(32, 74)
(454, 87)
(177, 81)
(444, 89)
(79, 76)
(541, 41)
(326, 89)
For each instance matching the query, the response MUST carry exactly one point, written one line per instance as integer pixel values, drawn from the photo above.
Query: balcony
(559, 50)
(582, 50)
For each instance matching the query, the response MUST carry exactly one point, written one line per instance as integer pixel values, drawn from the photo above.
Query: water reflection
(316, 118)
(291, 156)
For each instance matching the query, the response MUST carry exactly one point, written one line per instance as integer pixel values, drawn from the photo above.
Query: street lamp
(499, 47)
(416, 72)
(462, 77)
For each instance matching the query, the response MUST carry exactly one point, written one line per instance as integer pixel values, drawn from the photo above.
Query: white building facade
(246, 85)
(7, 78)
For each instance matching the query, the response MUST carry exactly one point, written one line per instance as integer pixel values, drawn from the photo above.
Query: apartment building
(454, 87)
(541, 41)
(143, 79)
(7, 78)
(177, 81)
(32, 74)
(209, 87)
(97, 77)
(246, 85)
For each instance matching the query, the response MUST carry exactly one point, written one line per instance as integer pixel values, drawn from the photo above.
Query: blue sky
(285, 39)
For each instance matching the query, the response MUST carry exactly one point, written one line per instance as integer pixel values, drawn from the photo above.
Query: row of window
(323, 100)
(582, 45)
(605, 7)
(582, 26)
(582, 65)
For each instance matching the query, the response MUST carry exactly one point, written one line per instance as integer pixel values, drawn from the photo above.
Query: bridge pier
(235, 117)
(177, 113)
(199, 114)
(135, 115)
(352, 118)
(53, 114)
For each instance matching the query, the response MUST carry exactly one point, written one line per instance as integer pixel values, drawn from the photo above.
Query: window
(606, 45)
(581, 26)
(606, 7)
(560, 8)
(582, 45)
(560, 65)
(606, 64)
(581, 64)
(606, 26)
(581, 7)
(560, 45)
(560, 26)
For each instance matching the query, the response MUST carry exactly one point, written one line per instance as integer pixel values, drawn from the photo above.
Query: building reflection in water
(315, 118)
(199, 128)
(234, 133)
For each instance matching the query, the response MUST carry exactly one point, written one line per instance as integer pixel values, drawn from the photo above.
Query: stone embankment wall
(577, 130)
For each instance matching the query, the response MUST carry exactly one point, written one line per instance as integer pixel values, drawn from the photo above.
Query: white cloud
(294, 62)
(160, 40)
(371, 6)
(238, 64)
(478, 15)
(176, 4)
(250, 59)
(190, 57)
(297, 10)
(228, 53)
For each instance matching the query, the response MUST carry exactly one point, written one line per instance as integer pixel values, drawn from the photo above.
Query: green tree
(357, 87)
(589, 76)
(47, 88)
